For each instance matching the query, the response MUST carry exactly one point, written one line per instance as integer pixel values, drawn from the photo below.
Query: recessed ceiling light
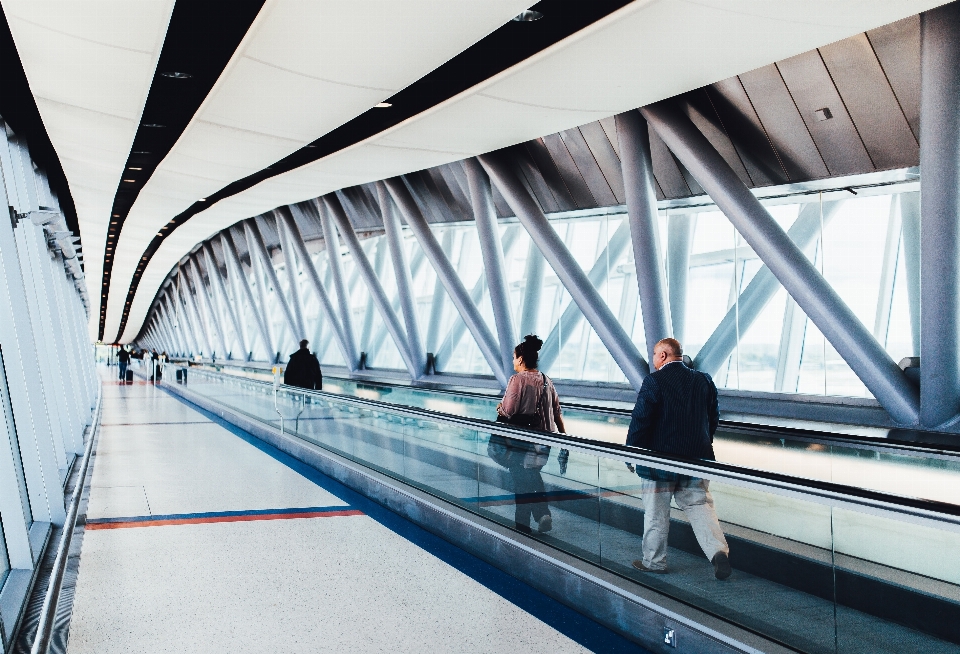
(202, 200)
(528, 16)
(176, 75)
(134, 168)
(153, 125)
(116, 215)
(383, 105)
(130, 180)
(140, 152)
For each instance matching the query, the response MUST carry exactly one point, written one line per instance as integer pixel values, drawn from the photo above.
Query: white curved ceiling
(304, 68)
(647, 51)
(308, 66)
(90, 65)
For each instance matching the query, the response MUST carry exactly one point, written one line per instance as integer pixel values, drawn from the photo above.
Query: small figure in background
(123, 357)
(303, 370)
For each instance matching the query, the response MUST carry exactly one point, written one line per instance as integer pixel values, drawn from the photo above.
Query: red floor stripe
(237, 518)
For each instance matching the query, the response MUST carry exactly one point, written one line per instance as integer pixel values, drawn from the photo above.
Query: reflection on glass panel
(4, 560)
(12, 440)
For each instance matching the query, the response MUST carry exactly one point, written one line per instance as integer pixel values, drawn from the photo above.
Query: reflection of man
(303, 370)
(677, 413)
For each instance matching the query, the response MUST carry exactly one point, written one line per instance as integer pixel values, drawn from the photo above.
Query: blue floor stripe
(220, 514)
(573, 625)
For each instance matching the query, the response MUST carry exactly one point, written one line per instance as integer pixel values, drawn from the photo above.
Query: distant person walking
(677, 413)
(530, 400)
(123, 357)
(303, 370)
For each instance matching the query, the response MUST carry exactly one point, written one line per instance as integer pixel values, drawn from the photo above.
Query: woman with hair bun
(530, 401)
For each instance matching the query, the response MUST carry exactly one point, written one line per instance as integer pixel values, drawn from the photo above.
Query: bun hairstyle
(529, 350)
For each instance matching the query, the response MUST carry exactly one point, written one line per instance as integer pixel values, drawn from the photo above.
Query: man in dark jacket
(303, 369)
(677, 413)
(123, 357)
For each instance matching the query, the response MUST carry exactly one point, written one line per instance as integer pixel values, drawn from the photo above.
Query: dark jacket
(303, 370)
(676, 413)
(123, 356)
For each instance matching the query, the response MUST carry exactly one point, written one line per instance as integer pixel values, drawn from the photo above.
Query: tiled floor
(341, 581)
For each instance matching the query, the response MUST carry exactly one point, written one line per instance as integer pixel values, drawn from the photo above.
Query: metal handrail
(940, 513)
(41, 641)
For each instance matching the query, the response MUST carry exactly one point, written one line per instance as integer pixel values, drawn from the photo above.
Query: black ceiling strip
(507, 46)
(201, 38)
(19, 109)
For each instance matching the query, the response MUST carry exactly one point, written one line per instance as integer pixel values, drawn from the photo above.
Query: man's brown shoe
(721, 566)
(638, 564)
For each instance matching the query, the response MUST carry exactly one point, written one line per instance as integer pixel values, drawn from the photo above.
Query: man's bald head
(665, 351)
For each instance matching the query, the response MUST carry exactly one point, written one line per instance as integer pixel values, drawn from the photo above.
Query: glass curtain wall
(749, 337)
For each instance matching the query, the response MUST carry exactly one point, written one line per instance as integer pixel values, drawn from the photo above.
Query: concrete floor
(230, 568)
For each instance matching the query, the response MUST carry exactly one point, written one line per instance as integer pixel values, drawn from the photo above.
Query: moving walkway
(853, 555)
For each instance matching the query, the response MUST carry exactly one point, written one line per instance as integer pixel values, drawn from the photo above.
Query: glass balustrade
(817, 566)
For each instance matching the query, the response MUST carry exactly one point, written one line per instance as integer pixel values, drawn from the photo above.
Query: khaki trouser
(694, 499)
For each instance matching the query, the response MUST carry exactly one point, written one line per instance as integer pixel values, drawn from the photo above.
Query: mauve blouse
(521, 397)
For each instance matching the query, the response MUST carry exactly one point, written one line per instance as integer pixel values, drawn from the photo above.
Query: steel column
(641, 199)
(296, 238)
(408, 305)
(787, 262)
(204, 295)
(377, 294)
(255, 239)
(680, 232)
(910, 224)
(532, 290)
(193, 314)
(379, 259)
(451, 281)
(604, 323)
(240, 281)
(758, 293)
(888, 274)
(439, 295)
(293, 282)
(791, 348)
(213, 271)
(940, 215)
(485, 215)
(332, 245)
(476, 295)
(571, 317)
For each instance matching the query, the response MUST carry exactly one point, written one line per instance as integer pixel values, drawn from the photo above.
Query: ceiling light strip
(200, 41)
(507, 46)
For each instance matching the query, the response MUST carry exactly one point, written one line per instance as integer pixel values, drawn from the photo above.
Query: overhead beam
(451, 281)
(332, 244)
(235, 268)
(787, 262)
(571, 317)
(255, 240)
(401, 271)
(293, 281)
(485, 217)
(596, 311)
(296, 239)
(213, 271)
(377, 293)
(758, 293)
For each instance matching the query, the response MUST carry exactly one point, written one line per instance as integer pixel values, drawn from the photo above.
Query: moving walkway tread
(869, 597)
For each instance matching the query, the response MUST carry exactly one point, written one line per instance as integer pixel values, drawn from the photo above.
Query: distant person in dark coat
(677, 413)
(303, 370)
(123, 357)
